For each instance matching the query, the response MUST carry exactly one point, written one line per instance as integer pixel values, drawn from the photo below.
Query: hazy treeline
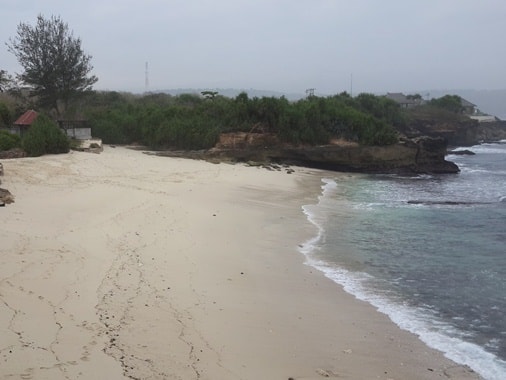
(193, 121)
(190, 121)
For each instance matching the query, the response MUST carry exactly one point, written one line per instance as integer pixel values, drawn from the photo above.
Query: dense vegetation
(5, 115)
(9, 141)
(190, 121)
(195, 121)
(450, 103)
(43, 137)
(447, 108)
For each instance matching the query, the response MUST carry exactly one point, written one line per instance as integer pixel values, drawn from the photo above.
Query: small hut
(24, 122)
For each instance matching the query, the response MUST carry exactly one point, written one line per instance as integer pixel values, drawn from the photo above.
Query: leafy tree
(452, 103)
(54, 65)
(188, 100)
(5, 115)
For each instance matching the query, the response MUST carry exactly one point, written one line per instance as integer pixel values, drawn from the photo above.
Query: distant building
(402, 99)
(77, 129)
(468, 108)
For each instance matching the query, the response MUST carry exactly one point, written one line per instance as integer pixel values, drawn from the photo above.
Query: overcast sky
(281, 45)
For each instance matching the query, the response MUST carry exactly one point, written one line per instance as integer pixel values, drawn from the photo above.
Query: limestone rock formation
(420, 155)
(458, 133)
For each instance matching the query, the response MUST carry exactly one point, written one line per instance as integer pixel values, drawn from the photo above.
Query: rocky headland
(422, 148)
(466, 132)
(413, 156)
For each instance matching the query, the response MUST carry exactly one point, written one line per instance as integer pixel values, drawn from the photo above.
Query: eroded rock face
(420, 155)
(491, 132)
(462, 133)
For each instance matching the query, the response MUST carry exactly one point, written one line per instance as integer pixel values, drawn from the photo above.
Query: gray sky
(281, 45)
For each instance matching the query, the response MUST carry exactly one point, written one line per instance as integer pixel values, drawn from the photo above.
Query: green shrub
(188, 121)
(43, 137)
(5, 115)
(9, 140)
(452, 103)
(185, 133)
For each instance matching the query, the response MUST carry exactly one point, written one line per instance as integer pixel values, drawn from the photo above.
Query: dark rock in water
(449, 203)
(462, 152)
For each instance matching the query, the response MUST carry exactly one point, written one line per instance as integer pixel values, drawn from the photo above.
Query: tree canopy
(189, 121)
(452, 103)
(55, 66)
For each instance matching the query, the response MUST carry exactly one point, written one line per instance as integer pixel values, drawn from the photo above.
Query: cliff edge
(410, 156)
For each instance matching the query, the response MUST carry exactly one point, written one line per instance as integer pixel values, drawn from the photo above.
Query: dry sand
(126, 265)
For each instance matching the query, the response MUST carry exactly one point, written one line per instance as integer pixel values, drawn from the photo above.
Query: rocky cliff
(458, 133)
(420, 155)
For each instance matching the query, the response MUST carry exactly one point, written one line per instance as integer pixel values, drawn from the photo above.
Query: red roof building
(26, 119)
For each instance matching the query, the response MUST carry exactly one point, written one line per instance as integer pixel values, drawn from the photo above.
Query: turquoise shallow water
(429, 251)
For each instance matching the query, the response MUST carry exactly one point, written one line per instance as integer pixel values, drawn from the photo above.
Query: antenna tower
(146, 79)
(310, 92)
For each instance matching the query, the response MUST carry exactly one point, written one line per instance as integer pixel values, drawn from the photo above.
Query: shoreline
(436, 333)
(130, 265)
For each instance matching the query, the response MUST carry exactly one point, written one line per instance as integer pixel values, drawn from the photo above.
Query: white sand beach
(124, 265)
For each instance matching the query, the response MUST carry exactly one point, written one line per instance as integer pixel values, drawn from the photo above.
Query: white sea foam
(312, 244)
(433, 332)
(488, 148)
(420, 321)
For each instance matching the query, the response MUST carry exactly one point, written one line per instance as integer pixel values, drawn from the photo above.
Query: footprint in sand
(86, 354)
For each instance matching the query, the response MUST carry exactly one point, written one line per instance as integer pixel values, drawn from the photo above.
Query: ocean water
(428, 251)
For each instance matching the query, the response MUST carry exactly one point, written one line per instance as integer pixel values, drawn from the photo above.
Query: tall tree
(55, 66)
